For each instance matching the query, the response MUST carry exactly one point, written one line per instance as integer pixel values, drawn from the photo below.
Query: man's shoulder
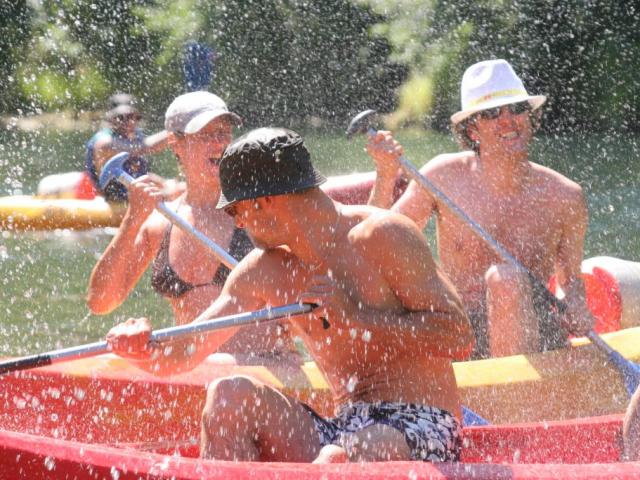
(376, 223)
(556, 182)
(449, 163)
(258, 262)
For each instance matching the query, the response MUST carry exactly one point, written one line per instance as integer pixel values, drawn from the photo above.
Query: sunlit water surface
(44, 275)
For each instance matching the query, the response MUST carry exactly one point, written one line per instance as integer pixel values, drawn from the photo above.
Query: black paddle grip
(24, 363)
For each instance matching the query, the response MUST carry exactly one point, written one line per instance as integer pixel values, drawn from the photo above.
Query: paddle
(113, 170)
(198, 65)
(157, 336)
(629, 370)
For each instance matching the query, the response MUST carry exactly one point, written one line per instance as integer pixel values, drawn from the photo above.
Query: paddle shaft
(176, 219)
(157, 336)
(421, 180)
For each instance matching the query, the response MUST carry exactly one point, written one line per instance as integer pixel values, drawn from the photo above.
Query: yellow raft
(27, 212)
(65, 201)
(570, 383)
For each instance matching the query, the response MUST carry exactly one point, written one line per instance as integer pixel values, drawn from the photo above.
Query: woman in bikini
(185, 272)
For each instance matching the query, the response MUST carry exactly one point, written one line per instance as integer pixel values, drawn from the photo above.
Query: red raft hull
(87, 419)
(584, 449)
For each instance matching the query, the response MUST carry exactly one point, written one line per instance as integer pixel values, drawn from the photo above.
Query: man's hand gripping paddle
(157, 336)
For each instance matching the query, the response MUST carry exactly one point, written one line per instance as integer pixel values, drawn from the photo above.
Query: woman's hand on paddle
(386, 152)
(332, 301)
(145, 193)
(130, 339)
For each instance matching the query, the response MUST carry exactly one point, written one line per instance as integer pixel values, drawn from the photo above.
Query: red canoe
(86, 419)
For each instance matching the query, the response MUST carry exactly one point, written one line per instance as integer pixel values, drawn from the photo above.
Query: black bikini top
(166, 281)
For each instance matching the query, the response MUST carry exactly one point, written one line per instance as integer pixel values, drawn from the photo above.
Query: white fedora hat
(490, 84)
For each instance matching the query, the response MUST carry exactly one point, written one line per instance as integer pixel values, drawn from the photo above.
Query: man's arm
(569, 261)
(429, 311)
(433, 311)
(631, 429)
(155, 143)
(107, 147)
(385, 151)
(415, 203)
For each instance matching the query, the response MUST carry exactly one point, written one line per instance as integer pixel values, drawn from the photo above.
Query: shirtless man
(537, 214)
(395, 321)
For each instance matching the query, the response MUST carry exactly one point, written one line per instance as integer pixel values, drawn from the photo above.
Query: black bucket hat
(265, 162)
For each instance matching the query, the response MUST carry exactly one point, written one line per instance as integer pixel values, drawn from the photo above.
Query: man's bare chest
(527, 225)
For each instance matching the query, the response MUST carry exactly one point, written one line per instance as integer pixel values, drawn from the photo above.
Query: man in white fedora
(537, 214)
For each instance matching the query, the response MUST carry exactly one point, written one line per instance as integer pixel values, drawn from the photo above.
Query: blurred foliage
(288, 61)
(582, 54)
(292, 61)
(15, 31)
(282, 61)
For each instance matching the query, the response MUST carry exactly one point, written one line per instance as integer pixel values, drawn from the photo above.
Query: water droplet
(49, 463)
(516, 456)
(79, 393)
(351, 384)
(115, 473)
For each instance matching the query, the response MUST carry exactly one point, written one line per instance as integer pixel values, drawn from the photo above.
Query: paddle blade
(198, 66)
(114, 169)
(471, 418)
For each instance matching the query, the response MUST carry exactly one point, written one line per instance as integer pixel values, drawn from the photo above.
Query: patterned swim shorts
(432, 434)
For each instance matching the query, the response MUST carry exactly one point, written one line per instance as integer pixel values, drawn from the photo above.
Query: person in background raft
(185, 272)
(122, 134)
(537, 214)
(388, 324)
(631, 430)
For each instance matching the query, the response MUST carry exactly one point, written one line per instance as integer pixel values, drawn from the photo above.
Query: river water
(43, 276)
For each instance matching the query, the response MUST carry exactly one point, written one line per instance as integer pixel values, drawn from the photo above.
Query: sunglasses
(514, 108)
(128, 117)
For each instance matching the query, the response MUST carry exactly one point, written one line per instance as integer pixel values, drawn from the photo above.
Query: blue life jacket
(135, 165)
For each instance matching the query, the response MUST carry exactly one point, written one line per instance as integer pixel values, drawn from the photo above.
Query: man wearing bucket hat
(386, 329)
(537, 214)
(184, 272)
(122, 134)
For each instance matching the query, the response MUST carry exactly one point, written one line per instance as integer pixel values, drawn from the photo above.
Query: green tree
(16, 19)
(283, 61)
(582, 54)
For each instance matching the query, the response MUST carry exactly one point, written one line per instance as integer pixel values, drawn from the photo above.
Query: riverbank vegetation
(319, 61)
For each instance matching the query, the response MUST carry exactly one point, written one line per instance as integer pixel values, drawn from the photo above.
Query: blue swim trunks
(432, 434)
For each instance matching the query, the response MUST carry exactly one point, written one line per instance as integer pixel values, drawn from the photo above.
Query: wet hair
(460, 130)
